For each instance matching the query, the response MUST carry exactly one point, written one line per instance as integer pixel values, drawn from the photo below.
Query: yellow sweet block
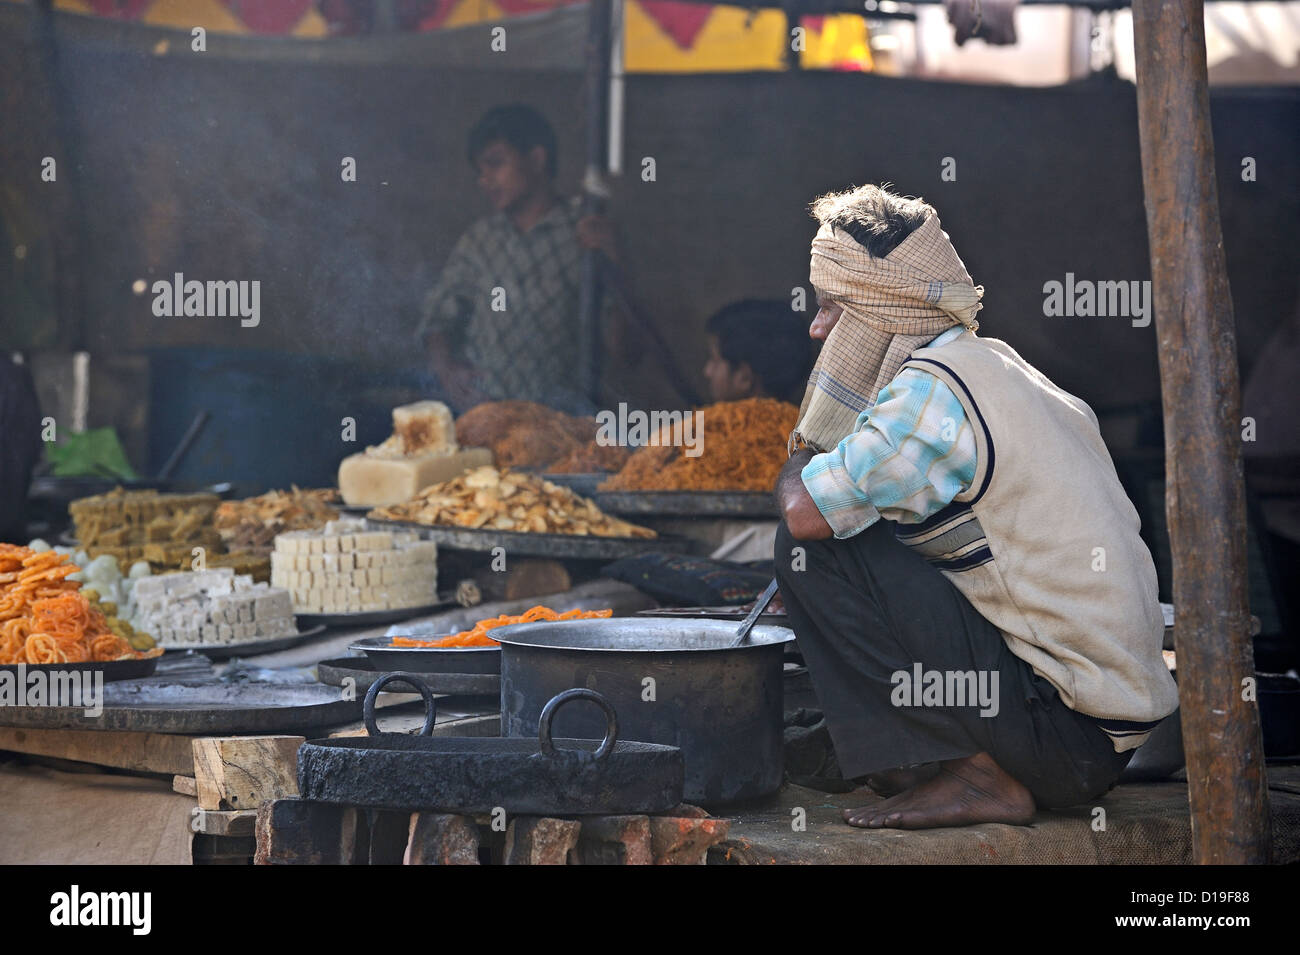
(369, 481)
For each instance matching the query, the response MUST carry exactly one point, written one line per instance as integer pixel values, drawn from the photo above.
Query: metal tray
(524, 544)
(189, 707)
(384, 656)
(112, 669)
(583, 484)
(369, 618)
(542, 777)
(363, 673)
(737, 612)
(689, 503)
(224, 651)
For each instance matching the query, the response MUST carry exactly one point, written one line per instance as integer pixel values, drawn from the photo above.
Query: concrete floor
(1144, 823)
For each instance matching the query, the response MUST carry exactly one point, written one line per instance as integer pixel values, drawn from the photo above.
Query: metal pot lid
(638, 635)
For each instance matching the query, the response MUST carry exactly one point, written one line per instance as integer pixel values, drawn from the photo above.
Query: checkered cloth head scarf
(891, 306)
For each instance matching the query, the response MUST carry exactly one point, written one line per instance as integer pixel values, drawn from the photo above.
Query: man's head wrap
(891, 306)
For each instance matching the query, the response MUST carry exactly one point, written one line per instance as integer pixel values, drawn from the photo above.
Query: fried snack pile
(744, 449)
(45, 619)
(252, 524)
(524, 434)
(477, 635)
(508, 501)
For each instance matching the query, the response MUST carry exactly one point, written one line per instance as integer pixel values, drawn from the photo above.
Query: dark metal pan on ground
(537, 776)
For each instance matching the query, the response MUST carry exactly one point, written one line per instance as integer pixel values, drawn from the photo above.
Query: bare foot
(965, 791)
(891, 782)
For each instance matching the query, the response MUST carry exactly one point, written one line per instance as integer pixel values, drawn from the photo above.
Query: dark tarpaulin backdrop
(228, 167)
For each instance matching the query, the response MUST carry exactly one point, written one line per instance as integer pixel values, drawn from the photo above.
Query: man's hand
(801, 516)
(596, 231)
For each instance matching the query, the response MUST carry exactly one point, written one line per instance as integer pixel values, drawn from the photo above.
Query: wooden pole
(597, 92)
(67, 199)
(1205, 498)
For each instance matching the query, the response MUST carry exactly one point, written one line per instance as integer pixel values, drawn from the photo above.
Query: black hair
(878, 219)
(519, 126)
(771, 338)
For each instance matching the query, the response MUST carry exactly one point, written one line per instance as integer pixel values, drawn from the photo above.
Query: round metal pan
(112, 669)
(736, 613)
(524, 544)
(368, 618)
(248, 648)
(688, 503)
(362, 673)
(200, 708)
(542, 776)
(384, 656)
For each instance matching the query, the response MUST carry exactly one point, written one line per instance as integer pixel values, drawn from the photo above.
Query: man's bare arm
(801, 516)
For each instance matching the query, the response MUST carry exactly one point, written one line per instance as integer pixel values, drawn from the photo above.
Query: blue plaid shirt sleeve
(910, 455)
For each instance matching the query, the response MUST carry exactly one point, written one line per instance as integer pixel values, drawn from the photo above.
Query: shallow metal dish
(384, 656)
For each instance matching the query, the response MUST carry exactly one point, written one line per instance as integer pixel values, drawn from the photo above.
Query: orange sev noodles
(477, 636)
(742, 448)
(45, 619)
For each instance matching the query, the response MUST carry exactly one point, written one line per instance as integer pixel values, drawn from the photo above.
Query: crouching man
(958, 559)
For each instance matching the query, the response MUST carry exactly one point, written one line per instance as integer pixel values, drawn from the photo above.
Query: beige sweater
(1045, 542)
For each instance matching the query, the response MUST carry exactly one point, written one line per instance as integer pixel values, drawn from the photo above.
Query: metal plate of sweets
(111, 669)
(528, 544)
(247, 648)
(383, 655)
(752, 504)
(372, 618)
(539, 776)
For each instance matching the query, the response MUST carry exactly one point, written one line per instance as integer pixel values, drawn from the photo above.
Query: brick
(615, 840)
(442, 839)
(301, 832)
(679, 840)
(537, 840)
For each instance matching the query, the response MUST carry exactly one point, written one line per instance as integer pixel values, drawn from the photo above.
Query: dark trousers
(867, 608)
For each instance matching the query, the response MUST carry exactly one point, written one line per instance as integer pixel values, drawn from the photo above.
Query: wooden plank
(140, 752)
(184, 785)
(235, 822)
(242, 772)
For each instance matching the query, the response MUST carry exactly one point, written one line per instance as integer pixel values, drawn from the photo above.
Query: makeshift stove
(387, 798)
(304, 832)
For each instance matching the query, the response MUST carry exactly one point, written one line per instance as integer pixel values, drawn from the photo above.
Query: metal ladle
(746, 625)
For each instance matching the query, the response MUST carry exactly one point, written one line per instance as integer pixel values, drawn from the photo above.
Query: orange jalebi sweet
(477, 636)
(45, 619)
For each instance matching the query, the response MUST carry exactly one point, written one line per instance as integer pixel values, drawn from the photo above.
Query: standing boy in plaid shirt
(503, 320)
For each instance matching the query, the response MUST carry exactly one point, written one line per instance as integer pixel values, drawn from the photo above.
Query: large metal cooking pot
(673, 681)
